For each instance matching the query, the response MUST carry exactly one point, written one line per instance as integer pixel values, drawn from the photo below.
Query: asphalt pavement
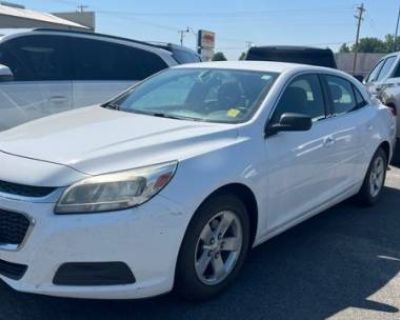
(342, 264)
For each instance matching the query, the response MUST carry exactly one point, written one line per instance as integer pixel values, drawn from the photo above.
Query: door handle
(329, 141)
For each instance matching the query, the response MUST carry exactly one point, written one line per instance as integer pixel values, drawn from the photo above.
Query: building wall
(365, 62)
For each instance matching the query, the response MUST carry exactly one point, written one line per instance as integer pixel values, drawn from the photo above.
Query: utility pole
(82, 8)
(182, 33)
(396, 34)
(361, 10)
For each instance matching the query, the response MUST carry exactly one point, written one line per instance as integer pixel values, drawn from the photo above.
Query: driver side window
(304, 96)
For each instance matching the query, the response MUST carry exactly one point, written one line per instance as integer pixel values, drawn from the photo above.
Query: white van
(46, 71)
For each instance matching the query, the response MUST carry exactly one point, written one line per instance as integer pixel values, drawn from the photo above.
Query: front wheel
(374, 181)
(214, 248)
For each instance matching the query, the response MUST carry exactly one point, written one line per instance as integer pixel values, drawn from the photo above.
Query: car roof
(170, 47)
(266, 66)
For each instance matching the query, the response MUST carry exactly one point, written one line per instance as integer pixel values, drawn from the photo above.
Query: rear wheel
(214, 248)
(374, 180)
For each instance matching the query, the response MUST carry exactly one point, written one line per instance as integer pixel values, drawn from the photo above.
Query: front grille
(12, 270)
(13, 227)
(24, 190)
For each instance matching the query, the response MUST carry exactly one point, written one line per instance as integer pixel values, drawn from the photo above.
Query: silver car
(383, 82)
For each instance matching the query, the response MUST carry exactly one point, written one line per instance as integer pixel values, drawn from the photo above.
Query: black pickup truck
(293, 54)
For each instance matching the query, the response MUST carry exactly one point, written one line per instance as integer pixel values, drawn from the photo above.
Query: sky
(237, 23)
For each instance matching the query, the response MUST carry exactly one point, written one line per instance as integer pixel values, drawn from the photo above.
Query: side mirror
(289, 122)
(5, 73)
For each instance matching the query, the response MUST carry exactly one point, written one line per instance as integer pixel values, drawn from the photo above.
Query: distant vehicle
(46, 71)
(172, 183)
(383, 82)
(293, 54)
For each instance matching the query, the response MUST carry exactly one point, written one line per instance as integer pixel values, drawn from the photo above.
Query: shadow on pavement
(332, 262)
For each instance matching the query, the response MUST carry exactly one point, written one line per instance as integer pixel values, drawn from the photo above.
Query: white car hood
(95, 140)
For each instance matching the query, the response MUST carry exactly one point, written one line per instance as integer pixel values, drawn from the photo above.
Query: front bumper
(147, 239)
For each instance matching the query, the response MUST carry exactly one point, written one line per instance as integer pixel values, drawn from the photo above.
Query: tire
(202, 249)
(370, 192)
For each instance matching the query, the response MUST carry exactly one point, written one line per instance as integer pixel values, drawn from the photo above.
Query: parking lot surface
(342, 264)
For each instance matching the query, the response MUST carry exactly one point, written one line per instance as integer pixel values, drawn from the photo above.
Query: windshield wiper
(169, 116)
(111, 105)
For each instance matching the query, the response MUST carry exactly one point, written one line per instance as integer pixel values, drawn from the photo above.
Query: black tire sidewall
(187, 283)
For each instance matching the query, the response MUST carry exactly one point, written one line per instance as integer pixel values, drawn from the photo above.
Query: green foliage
(371, 45)
(374, 45)
(344, 48)
(219, 56)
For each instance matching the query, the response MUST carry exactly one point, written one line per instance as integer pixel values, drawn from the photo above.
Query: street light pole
(182, 34)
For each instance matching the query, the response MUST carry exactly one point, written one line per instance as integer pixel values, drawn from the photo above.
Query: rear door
(42, 78)
(103, 69)
(353, 120)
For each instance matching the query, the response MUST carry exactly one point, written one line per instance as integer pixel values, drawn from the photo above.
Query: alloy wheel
(218, 248)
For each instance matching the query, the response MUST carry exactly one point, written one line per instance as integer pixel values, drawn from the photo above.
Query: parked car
(383, 82)
(170, 185)
(293, 54)
(55, 70)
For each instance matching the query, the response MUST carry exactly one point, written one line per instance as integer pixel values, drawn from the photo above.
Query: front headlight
(116, 191)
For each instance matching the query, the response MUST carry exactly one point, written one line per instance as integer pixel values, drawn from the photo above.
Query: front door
(299, 164)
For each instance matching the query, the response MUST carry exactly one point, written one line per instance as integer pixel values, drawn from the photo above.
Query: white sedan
(170, 184)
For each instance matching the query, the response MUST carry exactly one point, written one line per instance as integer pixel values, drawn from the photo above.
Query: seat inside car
(293, 100)
(229, 95)
(336, 93)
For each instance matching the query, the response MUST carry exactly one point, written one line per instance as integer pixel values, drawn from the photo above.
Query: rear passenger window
(37, 58)
(304, 96)
(387, 67)
(342, 95)
(101, 60)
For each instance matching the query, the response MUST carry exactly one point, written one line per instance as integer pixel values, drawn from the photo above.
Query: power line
(361, 10)
(224, 14)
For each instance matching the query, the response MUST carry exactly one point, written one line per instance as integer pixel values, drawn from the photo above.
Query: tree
(390, 43)
(374, 45)
(371, 45)
(219, 56)
(344, 48)
(242, 56)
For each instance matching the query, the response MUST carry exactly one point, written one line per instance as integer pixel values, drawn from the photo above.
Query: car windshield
(202, 94)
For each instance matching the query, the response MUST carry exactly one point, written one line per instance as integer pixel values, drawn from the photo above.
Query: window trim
(364, 103)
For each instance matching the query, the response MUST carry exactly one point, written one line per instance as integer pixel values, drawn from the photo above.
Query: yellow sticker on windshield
(233, 113)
